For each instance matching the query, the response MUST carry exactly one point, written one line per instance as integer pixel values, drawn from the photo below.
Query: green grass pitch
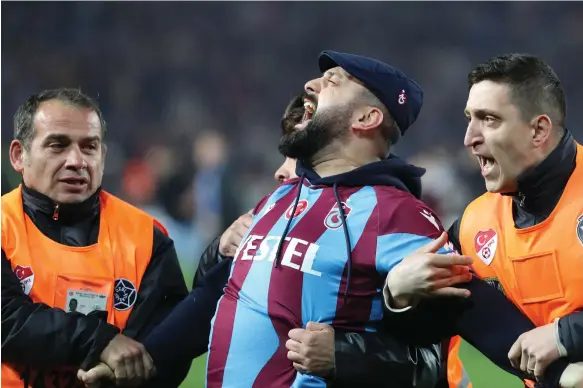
(482, 372)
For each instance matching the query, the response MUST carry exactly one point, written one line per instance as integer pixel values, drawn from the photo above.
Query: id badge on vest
(84, 302)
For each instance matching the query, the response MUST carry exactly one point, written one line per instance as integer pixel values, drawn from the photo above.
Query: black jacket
(36, 335)
(539, 191)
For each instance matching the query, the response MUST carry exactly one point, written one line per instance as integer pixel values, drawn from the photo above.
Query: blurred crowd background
(193, 91)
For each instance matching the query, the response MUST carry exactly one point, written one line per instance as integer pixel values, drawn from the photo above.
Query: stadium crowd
(194, 110)
(191, 129)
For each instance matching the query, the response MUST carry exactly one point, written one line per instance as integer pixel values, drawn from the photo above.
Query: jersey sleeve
(404, 227)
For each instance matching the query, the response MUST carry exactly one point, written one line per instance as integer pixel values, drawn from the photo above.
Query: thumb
(81, 374)
(101, 371)
(434, 245)
(316, 326)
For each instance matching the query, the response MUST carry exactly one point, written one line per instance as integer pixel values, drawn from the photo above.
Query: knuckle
(134, 353)
(521, 337)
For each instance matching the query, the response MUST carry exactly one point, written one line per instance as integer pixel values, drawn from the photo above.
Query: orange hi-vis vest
(539, 268)
(103, 276)
(457, 377)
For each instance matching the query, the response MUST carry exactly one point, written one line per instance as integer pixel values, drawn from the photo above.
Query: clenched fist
(534, 350)
(312, 349)
(129, 361)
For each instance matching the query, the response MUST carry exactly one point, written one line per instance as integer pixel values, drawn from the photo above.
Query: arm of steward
(162, 289)
(368, 358)
(570, 334)
(209, 258)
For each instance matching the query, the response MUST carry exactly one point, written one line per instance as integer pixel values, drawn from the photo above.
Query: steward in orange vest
(526, 235)
(528, 243)
(79, 265)
(536, 259)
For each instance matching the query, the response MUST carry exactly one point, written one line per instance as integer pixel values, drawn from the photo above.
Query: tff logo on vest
(333, 220)
(26, 277)
(302, 206)
(486, 242)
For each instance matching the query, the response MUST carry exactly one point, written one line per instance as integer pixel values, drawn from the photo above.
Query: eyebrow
(343, 74)
(330, 73)
(482, 113)
(60, 137)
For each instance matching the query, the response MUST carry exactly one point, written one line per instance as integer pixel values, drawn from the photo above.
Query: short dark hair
(535, 87)
(24, 116)
(292, 116)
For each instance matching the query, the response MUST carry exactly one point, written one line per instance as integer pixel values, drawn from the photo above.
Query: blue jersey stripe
(320, 293)
(308, 381)
(251, 317)
(393, 248)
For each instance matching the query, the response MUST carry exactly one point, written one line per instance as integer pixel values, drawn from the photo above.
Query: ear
(17, 156)
(103, 153)
(542, 130)
(367, 119)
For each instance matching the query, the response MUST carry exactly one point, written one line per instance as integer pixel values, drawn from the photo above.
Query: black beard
(306, 143)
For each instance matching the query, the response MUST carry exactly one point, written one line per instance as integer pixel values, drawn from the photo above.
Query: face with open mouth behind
(65, 157)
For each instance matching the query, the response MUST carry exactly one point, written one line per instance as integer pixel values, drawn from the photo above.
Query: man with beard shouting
(321, 245)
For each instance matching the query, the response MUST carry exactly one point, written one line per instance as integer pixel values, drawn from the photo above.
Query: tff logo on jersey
(486, 242)
(302, 206)
(333, 220)
(26, 277)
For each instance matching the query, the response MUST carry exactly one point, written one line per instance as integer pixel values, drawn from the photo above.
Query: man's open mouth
(309, 109)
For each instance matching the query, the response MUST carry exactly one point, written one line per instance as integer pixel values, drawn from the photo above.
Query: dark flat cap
(402, 96)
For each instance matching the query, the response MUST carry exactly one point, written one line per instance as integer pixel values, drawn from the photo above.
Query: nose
(282, 174)
(75, 159)
(313, 86)
(473, 135)
(286, 171)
